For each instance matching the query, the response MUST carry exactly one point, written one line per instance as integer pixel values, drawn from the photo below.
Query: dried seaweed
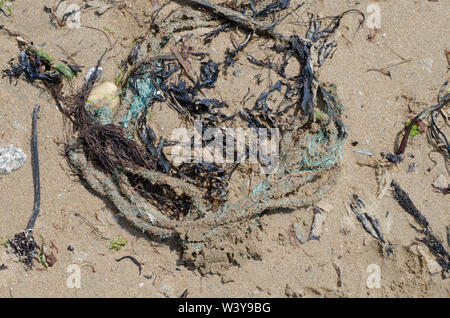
(211, 35)
(232, 55)
(368, 221)
(261, 102)
(316, 44)
(135, 261)
(433, 113)
(30, 65)
(239, 18)
(209, 72)
(406, 203)
(279, 69)
(24, 246)
(438, 250)
(37, 182)
(187, 98)
(23, 243)
(184, 294)
(430, 240)
(273, 7)
(148, 137)
(392, 158)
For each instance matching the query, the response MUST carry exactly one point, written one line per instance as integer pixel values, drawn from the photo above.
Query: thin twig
(37, 186)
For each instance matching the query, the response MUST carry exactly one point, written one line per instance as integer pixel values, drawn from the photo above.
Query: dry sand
(374, 112)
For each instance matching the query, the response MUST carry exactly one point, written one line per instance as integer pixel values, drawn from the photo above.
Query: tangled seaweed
(430, 239)
(171, 201)
(433, 113)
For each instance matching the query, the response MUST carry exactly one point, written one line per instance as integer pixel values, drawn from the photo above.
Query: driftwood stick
(37, 186)
(240, 19)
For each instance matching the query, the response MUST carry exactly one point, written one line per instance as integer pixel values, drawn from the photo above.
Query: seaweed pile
(124, 160)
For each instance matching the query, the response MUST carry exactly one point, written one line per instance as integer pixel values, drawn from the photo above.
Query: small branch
(37, 185)
(240, 19)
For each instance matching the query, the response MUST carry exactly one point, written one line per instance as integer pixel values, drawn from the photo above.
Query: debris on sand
(392, 158)
(118, 243)
(430, 262)
(411, 167)
(184, 294)
(23, 243)
(431, 114)
(430, 239)
(50, 259)
(298, 233)
(34, 66)
(338, 269)
(448, 235)
(369, 222)
(437, 249)
(134, 260)
(365, 213)
(123, 157)
(24, 246)
(364, 152)
(320, 216)
(11, 158)
(441, 184)
(103, 102)
(405, 202)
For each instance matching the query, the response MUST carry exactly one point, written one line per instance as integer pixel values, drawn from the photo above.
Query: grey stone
(11, 158)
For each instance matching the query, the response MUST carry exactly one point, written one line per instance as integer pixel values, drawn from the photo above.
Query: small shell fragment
(298, 233)
(440, 182)
(428, 64)
(317, 225)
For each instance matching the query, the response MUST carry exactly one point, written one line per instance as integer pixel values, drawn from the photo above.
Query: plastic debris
(364, 152)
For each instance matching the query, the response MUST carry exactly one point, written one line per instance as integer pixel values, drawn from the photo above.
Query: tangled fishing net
(116, 148)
